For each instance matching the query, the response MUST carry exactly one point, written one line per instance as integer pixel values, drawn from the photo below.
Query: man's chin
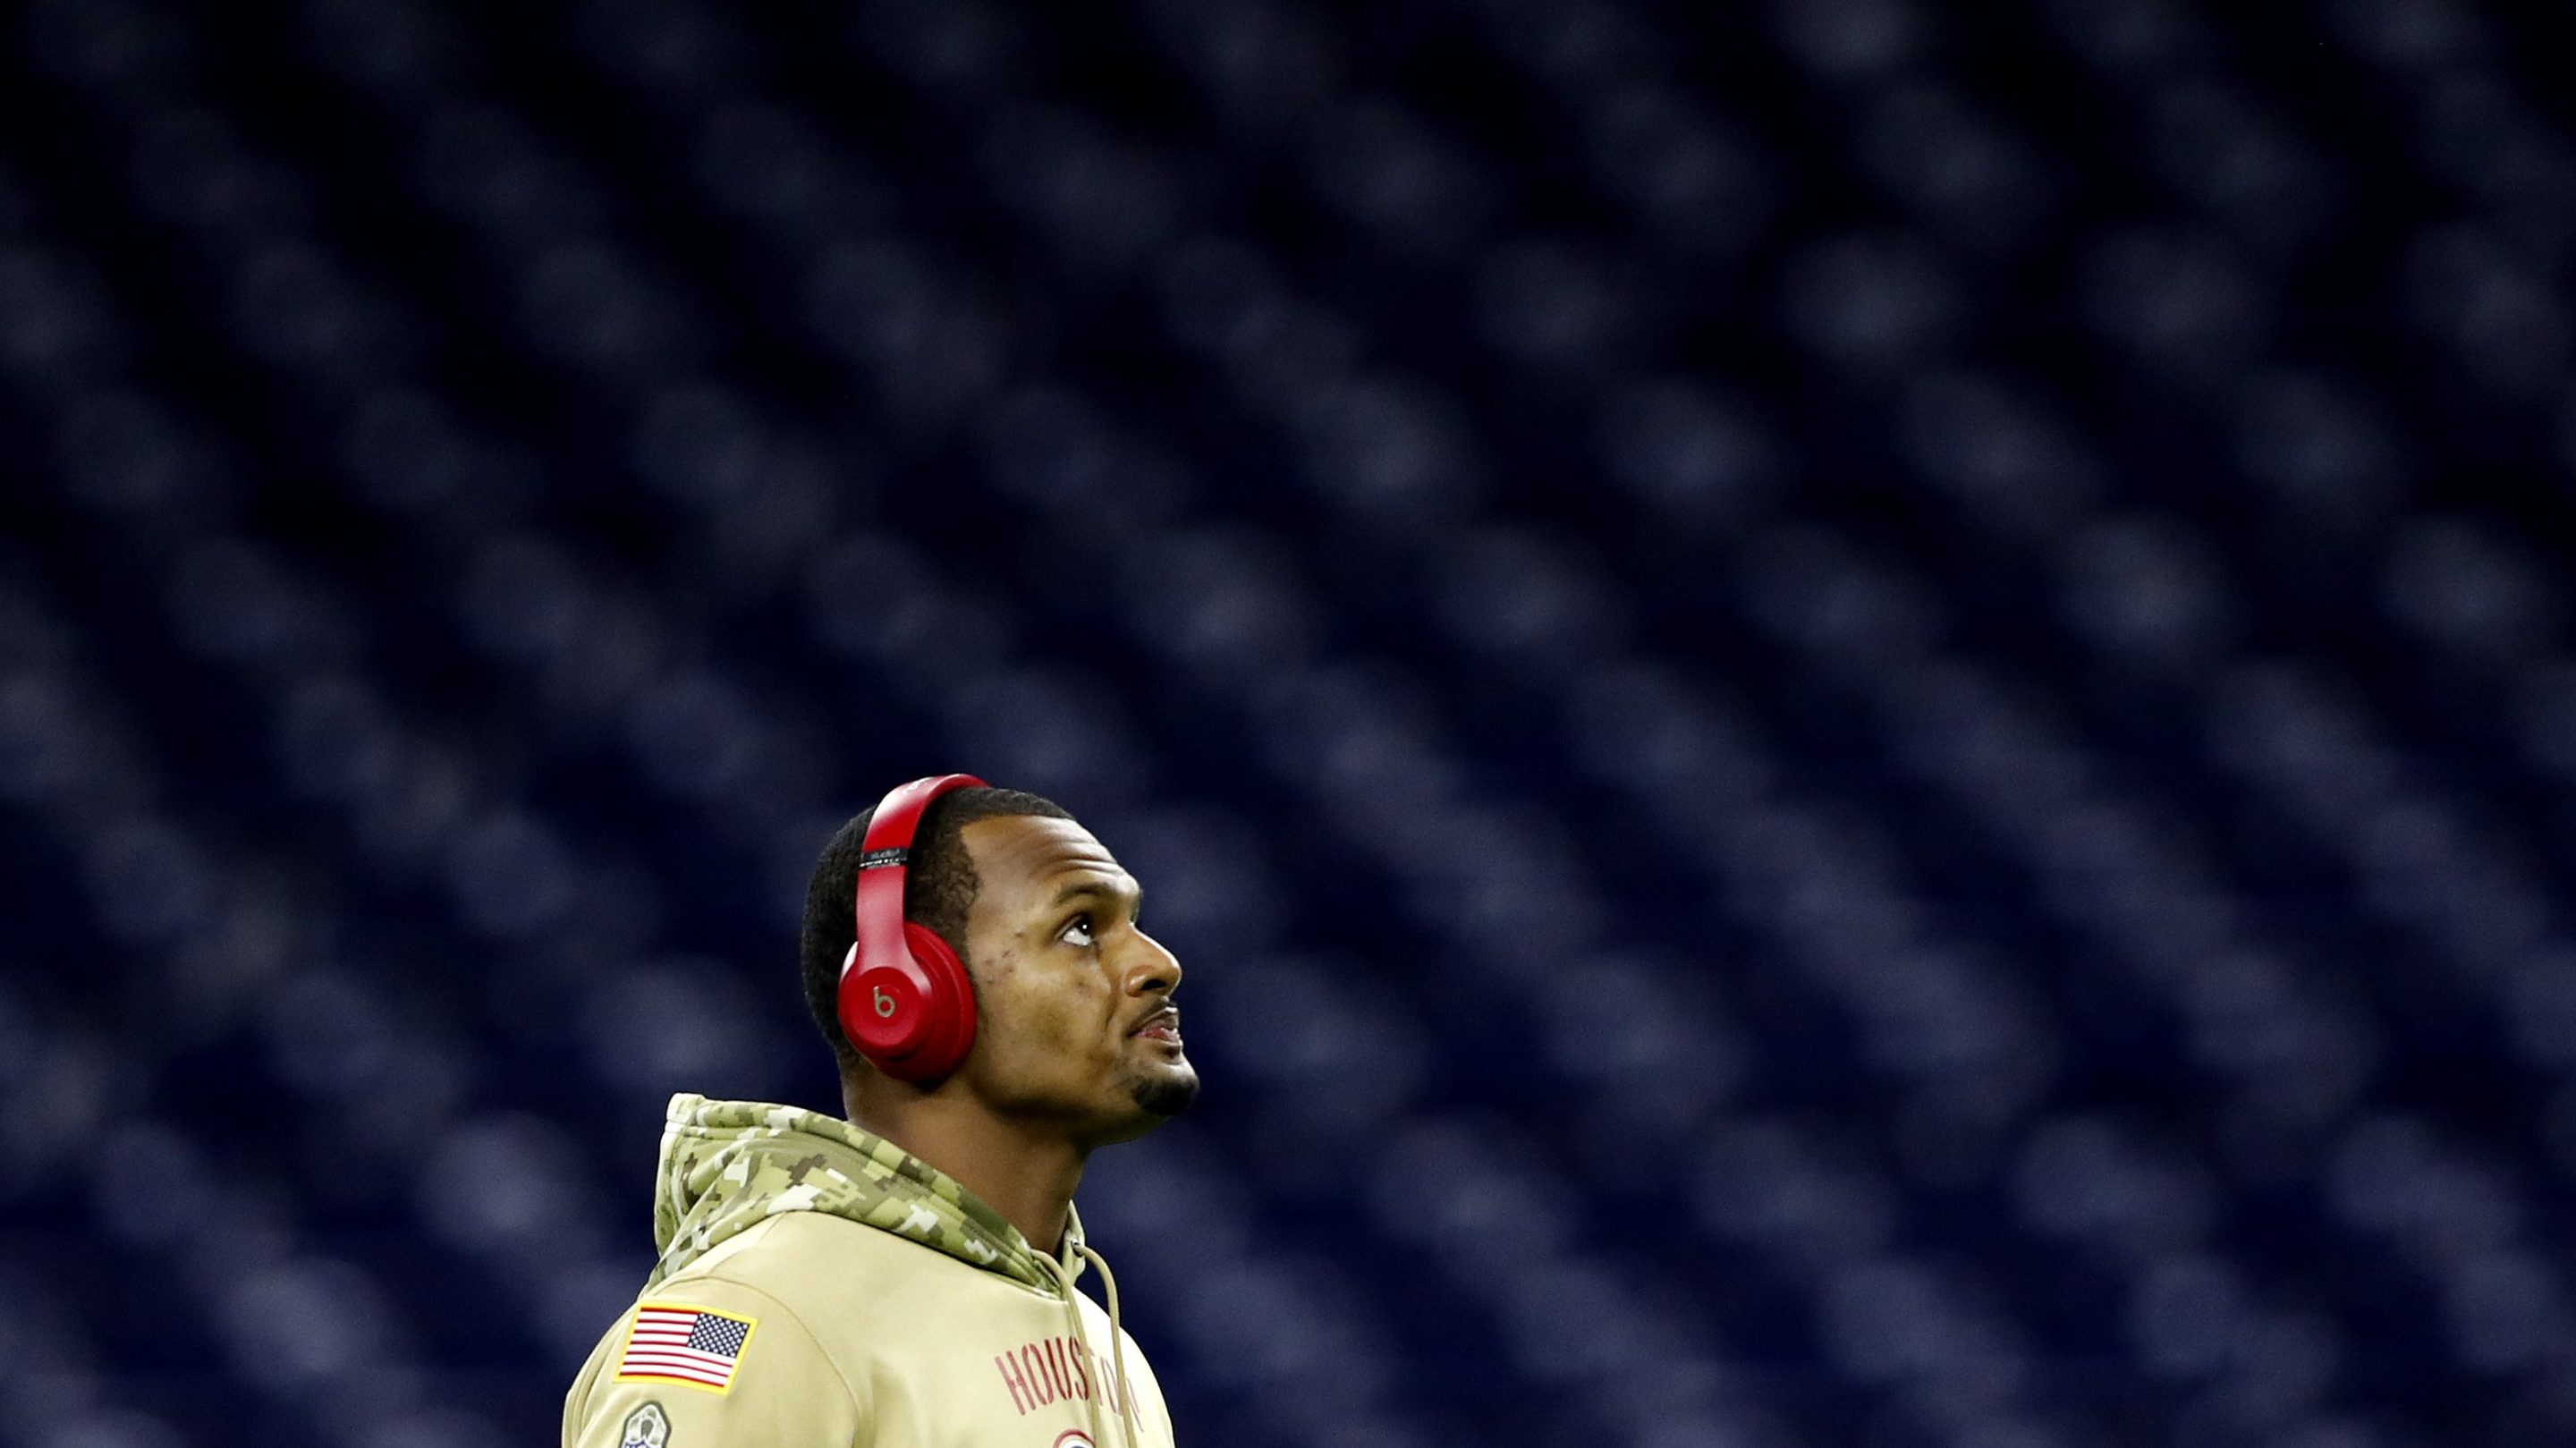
(1167, 1094)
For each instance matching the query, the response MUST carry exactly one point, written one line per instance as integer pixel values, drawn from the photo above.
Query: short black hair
(939, 887)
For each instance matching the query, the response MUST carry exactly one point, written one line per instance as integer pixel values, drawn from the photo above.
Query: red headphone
(905, 1003)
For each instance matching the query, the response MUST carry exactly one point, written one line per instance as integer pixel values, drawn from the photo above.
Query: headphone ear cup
(913, 1024)
(948, 1007)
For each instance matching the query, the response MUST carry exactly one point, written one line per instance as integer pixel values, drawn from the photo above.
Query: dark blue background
(1856, 715)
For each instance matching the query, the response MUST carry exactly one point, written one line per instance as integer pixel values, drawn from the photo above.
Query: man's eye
(1079, 932)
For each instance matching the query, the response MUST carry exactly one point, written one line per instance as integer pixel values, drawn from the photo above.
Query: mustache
(1164, 1014)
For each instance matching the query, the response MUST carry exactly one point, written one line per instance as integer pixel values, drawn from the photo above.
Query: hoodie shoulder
(714, 1363)
(792, 1254)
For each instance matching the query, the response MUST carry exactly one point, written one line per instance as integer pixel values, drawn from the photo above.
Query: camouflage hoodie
(730, 1165)
(770, 1322)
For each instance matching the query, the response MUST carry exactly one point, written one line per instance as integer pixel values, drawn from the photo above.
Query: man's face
(1074, 1017)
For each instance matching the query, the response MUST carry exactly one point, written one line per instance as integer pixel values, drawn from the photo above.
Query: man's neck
(1028, 1178)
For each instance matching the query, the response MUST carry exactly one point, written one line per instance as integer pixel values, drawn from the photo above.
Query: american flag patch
(672, 1342)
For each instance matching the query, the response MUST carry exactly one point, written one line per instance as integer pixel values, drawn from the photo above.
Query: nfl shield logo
(646, 1427)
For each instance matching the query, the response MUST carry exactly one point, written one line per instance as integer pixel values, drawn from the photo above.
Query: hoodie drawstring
(1117, 1339)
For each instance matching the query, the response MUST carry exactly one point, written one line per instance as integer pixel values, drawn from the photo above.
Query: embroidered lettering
(1107, 1376)
(1039, 1388)
(1055, 1369)
(1012, 1378)
(1061, 1369)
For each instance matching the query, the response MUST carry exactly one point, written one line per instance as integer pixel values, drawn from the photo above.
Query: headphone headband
(884, 863)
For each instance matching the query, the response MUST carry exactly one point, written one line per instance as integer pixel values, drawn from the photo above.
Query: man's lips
(1161, 1025)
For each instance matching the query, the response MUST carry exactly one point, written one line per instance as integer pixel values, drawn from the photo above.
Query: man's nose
(1152, 969)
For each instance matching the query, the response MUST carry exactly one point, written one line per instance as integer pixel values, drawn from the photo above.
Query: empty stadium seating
(1857, 716)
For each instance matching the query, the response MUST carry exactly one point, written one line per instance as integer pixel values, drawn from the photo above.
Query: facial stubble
(1165, 1096)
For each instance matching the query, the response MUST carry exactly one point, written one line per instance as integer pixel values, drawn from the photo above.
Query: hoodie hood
(728, 1166)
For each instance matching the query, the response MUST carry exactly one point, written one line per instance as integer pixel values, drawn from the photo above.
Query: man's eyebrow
(1079, 888)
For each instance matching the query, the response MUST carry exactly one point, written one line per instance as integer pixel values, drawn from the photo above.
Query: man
(905, 1278)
